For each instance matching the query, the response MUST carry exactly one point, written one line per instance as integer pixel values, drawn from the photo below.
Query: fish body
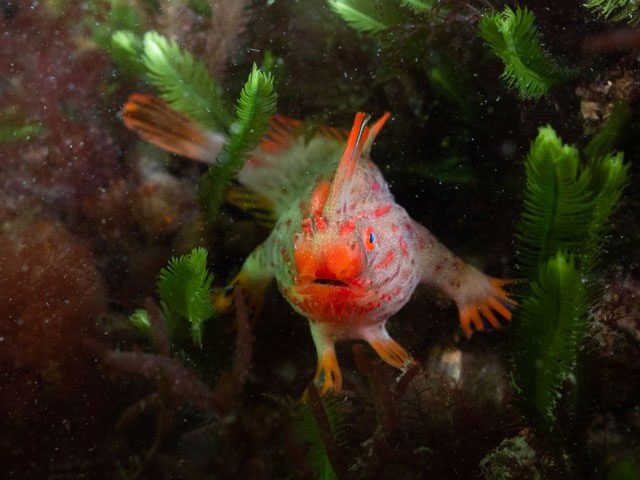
(344, 254)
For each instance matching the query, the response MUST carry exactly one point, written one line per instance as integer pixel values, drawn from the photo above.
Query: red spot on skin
(306, 226)
(347, 227)
(381, 211)
(375, 186)
(321, 225)
(386, 261)
(403, 247)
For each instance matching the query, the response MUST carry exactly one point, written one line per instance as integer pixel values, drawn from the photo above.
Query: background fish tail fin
(156, 122)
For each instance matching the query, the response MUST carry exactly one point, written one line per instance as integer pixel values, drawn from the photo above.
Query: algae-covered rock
(513, 458)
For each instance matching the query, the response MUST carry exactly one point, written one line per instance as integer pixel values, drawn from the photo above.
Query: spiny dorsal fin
(156, 122)
(359, 142)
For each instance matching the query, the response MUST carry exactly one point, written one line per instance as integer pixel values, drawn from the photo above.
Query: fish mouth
(329, 281)
(307, 286)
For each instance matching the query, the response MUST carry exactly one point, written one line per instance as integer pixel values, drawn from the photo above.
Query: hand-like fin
(156, 122)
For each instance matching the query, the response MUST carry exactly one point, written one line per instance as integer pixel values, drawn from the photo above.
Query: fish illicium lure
(344, 254)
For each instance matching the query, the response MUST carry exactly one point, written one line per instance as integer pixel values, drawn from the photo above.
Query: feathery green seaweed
(307, 429)
(609, 176)
(609, 136)
(184, 286)
(549, 333)
(256, 105)
(557, 204)
(419, 5)
(513, 36)
(369, 16)
(566, 208)
(140, 320)
(126, 48)
(616, 10)
(184, 82)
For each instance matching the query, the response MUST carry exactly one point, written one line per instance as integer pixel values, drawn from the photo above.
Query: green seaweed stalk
(514, 38)
(256, 105)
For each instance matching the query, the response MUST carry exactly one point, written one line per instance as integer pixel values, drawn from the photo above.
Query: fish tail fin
(156, 122)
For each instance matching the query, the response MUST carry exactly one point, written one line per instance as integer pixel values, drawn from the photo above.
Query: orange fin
(391, 352)
(281, 132)
(156, 122)
(374, 131)
(328, 374)
(359, 142)
(349, 159)
(332, 132)
(487, 308)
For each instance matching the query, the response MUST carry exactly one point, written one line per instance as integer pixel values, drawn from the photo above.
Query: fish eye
(370, 237)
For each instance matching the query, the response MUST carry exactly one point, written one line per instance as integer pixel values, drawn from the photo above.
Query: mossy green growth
(184, 286)
(512, 459)
(567, 204)
(513, 37)
(616, 10)
(14, 128)
(107, 17)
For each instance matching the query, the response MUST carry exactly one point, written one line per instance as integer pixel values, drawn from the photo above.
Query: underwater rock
(598, 98)
(458, 407)
(513, 458)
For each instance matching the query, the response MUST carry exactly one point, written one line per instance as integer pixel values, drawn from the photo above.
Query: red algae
(51, 297)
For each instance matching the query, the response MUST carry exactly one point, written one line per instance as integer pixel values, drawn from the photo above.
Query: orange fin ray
(282, 131)
(349, 159)
(156, 122)
(359, 141)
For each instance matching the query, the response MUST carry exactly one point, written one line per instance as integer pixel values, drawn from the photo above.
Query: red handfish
(344, 254)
